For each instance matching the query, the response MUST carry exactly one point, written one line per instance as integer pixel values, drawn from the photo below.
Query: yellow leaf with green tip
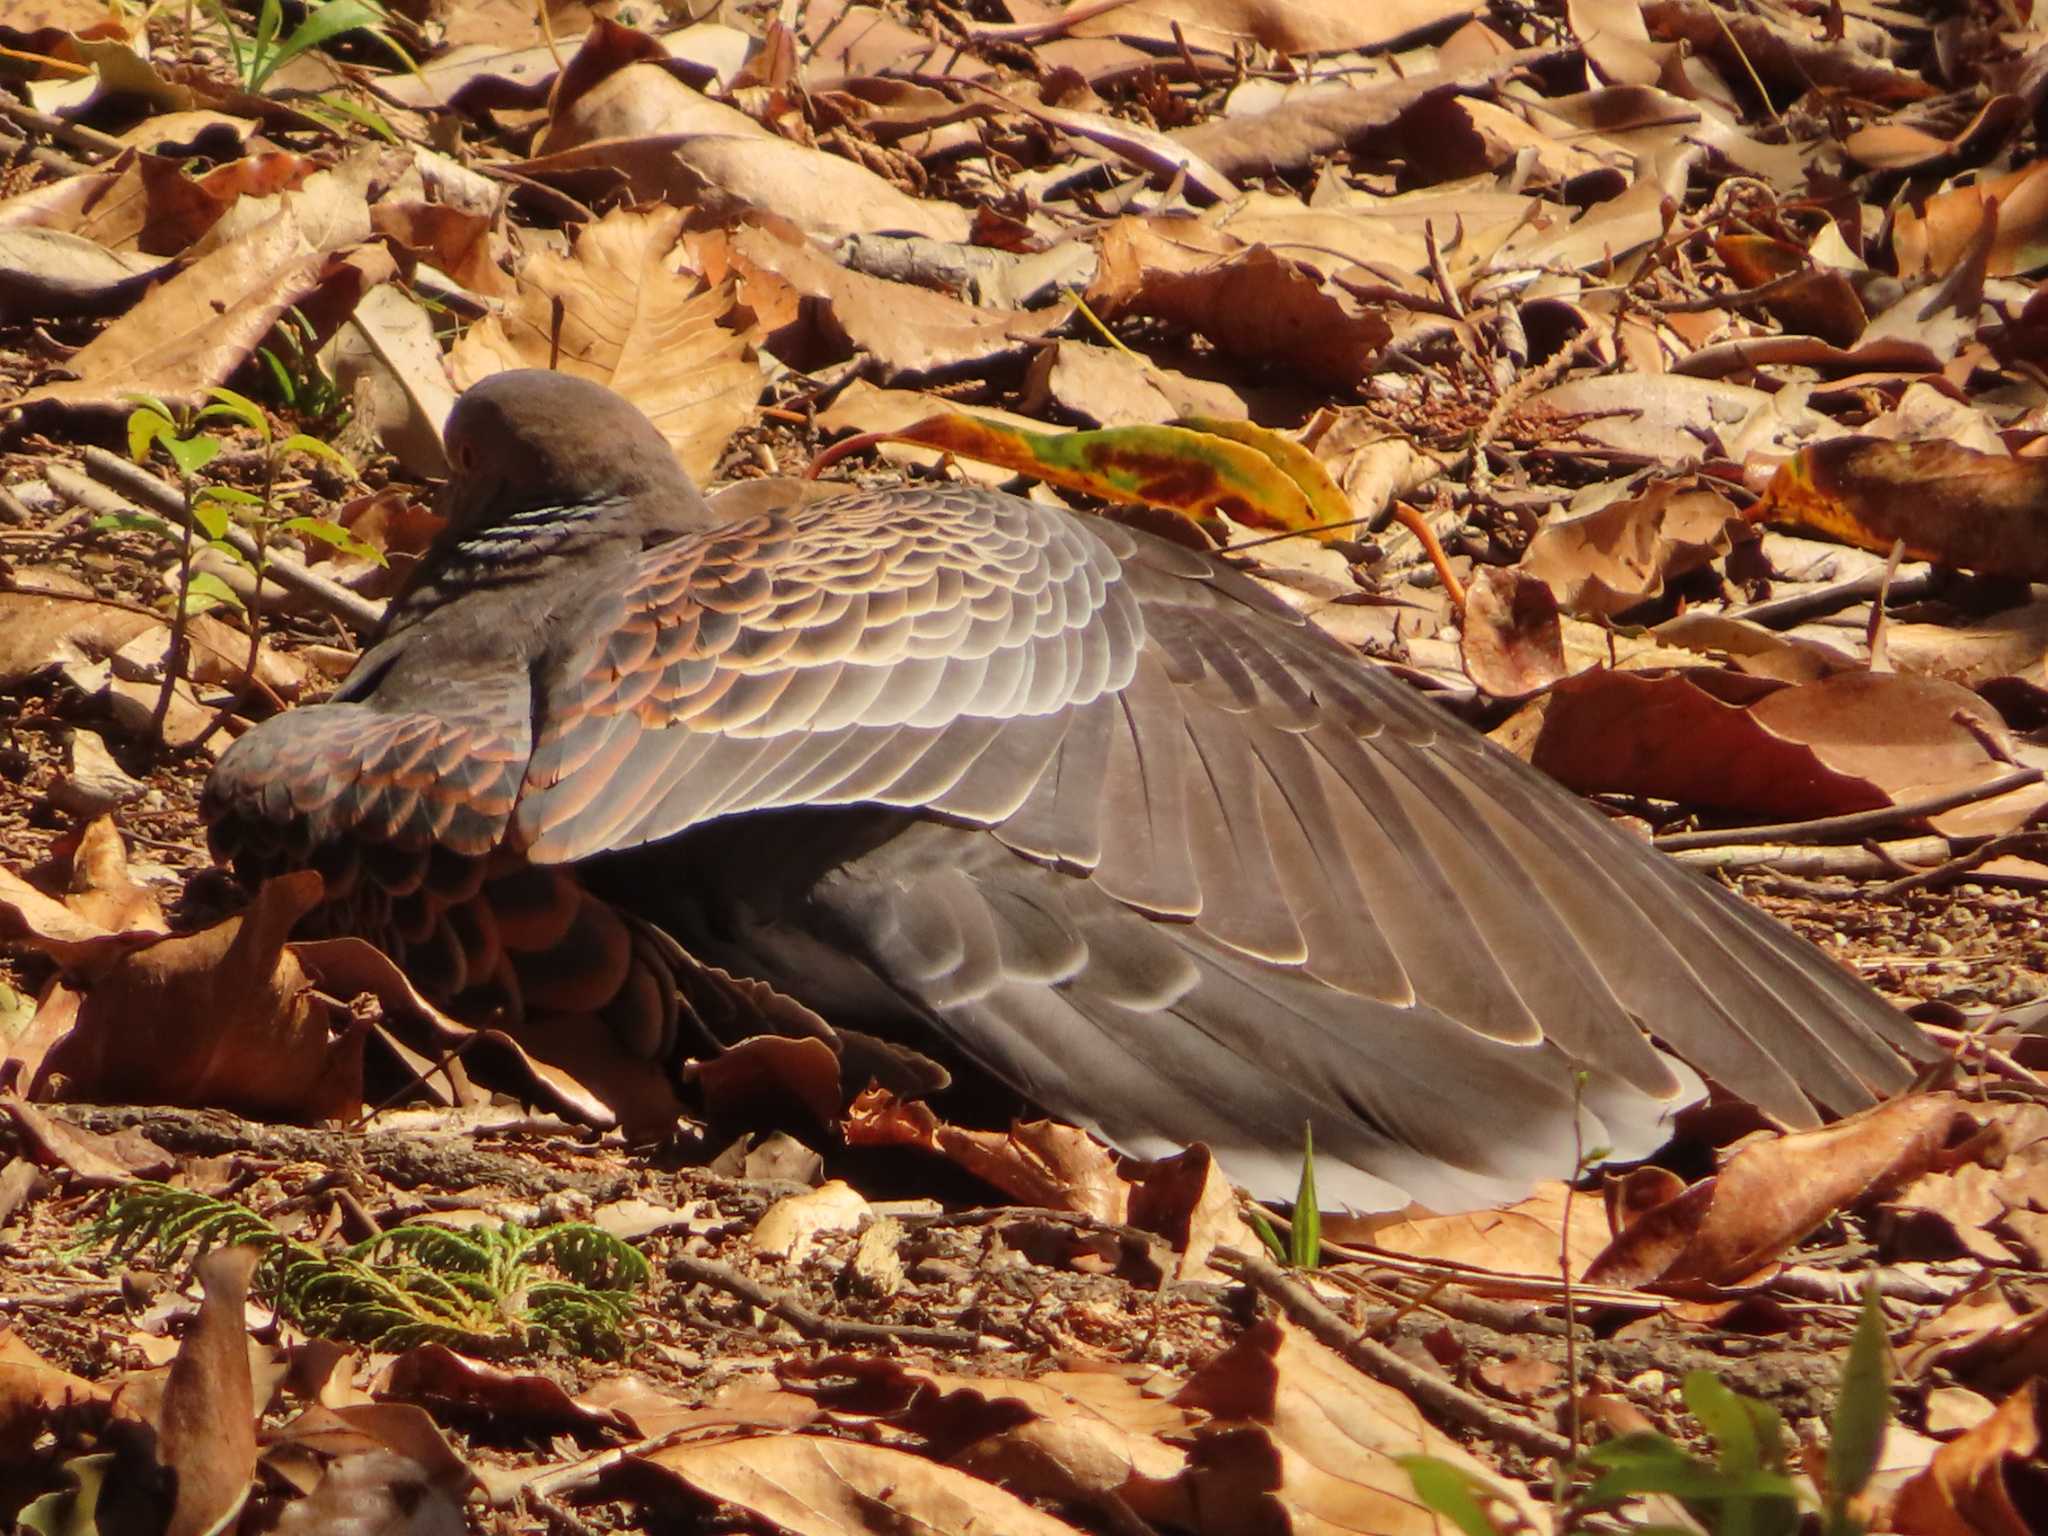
(1196, 473)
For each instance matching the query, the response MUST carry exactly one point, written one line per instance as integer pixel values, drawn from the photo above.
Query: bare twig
(1851, 823)
(1431, 1393)
(809, 1322)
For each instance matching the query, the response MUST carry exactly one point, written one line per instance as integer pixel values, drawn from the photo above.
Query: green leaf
(1267, 1235)
(145, 425)
(222, 546)
(1748, 1435)
(1693, 1480)
(133, 522)
(230, 496)
(211, 516)
(261, 62)
(1452, 1492)
(207, 590)
(329, 22)
(1865, 1404)
(327, 531)
(298, 442)
(287, 391)
(190, 454)
(239, 408)
(350, 112)
(1305, 1240)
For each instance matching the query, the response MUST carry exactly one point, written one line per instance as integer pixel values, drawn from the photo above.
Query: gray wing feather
(1216, 879)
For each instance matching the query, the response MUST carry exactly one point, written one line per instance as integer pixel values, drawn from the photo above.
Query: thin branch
(1431, 1393)
(807, 1321)
(1852, 823)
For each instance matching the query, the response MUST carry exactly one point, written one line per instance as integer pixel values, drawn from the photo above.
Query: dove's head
(528, 445)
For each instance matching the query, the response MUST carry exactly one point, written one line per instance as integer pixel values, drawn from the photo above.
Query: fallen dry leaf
(1723, 1229)
(635, 319)
(1987, 1482)
(207, 1433)
(223, 1018)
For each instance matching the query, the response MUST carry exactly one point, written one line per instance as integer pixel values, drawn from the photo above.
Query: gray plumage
(1093, 807)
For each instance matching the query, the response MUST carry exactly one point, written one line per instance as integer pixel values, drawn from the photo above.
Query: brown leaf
(1511, 640)
(1772, 1193)
(811, 1486)
(906, 330)
(207, 1432)
(1253, 304)
(1619, 555)
(229, 1018)
(34, 1393)
(1525, 1238)
(1946, 503)
(1038, 1162)
(1302, 1441)
(191, 332)
(630, 320)
(1986, 1483)
(1705, 738)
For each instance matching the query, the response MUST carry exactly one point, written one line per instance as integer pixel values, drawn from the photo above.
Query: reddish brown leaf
(1773, 1193)
(1946, 503)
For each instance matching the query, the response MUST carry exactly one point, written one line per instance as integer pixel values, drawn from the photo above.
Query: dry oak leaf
(634, 319)
(1255, 305)
(807, 1485)
(1525, 1238)
(1706, 738)
(224, 1018)
(1723, 1229)
(1988, 1483)
(1299, 1440)
(1511, 639)
(1037, 1162)
(1944, 502)
(1614, 557)
(818, 311)
(206, 1434)
(191, 332)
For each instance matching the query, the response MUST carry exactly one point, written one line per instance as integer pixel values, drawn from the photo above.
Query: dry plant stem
(49, 159)
(2026, 843)
(1851, 823)
(1430, 1393)
(1874, 633)
(812, 1324)
(1797, 607)
(174, 653)
(1425, 535)
(358, 613)
(91, 140)
(1863, 862)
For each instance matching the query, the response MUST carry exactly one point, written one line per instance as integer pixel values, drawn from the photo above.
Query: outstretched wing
(1357, 891)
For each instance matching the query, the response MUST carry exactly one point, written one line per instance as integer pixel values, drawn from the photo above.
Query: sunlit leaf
(190, 454)
(237, 407)
(1946, 503)
(145, 426)
(1452, 1492)
(211, 516)
(299, 442)
(1195, 473)
(207, 590)
(133, 522)
(1865, 1405)
(1305, 1241)
(327, 531)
